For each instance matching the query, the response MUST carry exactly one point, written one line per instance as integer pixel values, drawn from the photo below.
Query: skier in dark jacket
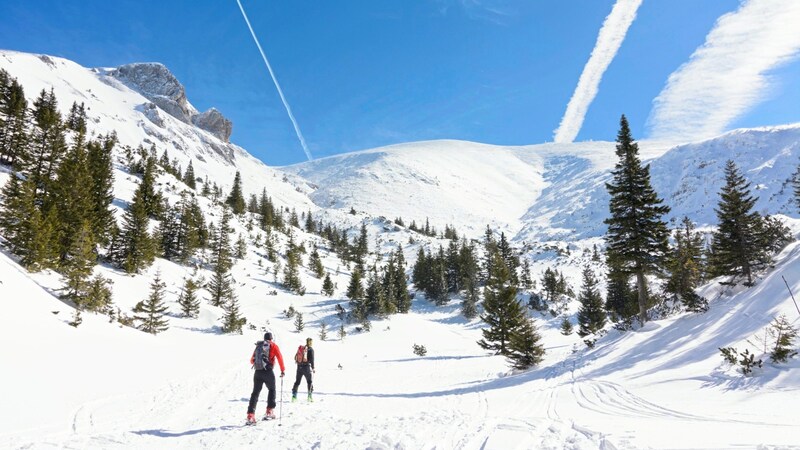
(305, 366)
(263, 360)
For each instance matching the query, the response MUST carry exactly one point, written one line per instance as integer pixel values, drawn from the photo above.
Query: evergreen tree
(78, 265)
(796, 184)
(355, 292)
(736, 247)
(402, 300)
(189, 177)
(637, 235)
(221, 284)
(291, 273)
(29, 234)
(150, 197)
(509, 257)
(72, 195)
(621, 297)
(342, 332)
(241, 247)
(232, 320)
(315, 263)
(685, 265)
(591, 316)
(13, 123)
(566, 326)
(298, 322)
(236, 198)
(46, 148)
(525, 349)
(137, 248)
(76, 119)
(188, 301)
(150, 312)
(502, 313)
(323, 332)
(375, 296)
(525, 280)
(784, 334)
(469, 307)
(101, 173)
(99, 297)
(327, 286)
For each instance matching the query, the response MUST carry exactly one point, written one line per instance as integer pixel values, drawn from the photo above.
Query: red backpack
(302, 355)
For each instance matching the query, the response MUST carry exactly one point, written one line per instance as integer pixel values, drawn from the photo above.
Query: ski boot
(294, 397)
(270, 414)
(251, 419)
(311, 400)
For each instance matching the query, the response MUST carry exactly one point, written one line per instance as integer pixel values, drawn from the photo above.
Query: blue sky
(365, 73)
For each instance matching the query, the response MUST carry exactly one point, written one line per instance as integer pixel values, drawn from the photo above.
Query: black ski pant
(303, 370)
(260, 378)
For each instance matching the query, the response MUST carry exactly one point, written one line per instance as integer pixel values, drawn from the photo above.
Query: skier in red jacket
(263, 360)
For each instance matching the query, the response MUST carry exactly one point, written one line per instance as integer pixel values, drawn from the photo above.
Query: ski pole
(280, 419)
(790, 293)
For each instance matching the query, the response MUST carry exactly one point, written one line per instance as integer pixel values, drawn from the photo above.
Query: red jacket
(274, 352)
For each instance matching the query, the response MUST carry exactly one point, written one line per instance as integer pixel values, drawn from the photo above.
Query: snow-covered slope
(114, 105)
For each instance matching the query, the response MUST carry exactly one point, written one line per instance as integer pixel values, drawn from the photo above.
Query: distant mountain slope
(116, 105)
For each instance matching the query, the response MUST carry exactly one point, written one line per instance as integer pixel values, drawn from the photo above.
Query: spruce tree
(591, 316)
(355, 292)
(299, 324)
(72, 193)
(241, 247)
(46, 148)
(327, 286)
(232, 320)
(525, 349)
(469, 306)
(736, 247)
(342, 332)
(315, 263)
(78, 264)
(14, 125)
(566, 326)
(221, 284)
(637, 235)
(402, 299)
(796, 184)
(99, 296)
(323, 332)
(150, 312)
(101, 173)
(189, 177)
(291, 273)
(137, 248)
(236, 198)
(685, 265)
(502, 312)
(621, 297)
(188, 301)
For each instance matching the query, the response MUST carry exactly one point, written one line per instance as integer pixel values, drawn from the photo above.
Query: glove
(282, 374)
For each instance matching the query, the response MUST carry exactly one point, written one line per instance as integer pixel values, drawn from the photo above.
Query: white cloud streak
(727, 75)
(609, 40)
(277, 86)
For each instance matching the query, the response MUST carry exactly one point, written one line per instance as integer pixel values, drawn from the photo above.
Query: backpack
(262, 355)
(301, 357)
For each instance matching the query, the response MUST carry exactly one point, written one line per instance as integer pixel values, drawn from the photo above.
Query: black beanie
(267, 336)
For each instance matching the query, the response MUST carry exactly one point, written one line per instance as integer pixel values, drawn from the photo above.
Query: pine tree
(221, 285)
(99, 296)
(236, 198)
(232, 320)
(621, 297)
(14, 125)
(469, 307)
(591, 316)
(323, 333)
(525, 280)
(188, 301)
(502, 312)
(355, 292)
(29, 235)
(150, 312)
(342, 332)
(685, 265)
(76, 318)
(150, 197)
(299, 324)
(46, 148)
(402, 300)
(72, 195)
(524, 347)
(637, 235)
(189, 177)
(784, 334)
(796, 184)
(78, 265)
(101, 173)
(137, 248)
(291, 273)
(566, 326)
(241, 247)
(327, 286)
(736, 245)
(315, 263)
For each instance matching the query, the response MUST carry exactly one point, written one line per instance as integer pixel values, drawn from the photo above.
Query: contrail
(730, 73)
(277, 85)
(609, 39)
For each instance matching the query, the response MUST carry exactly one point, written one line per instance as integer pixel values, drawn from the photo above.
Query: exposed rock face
(215, 123)
(159, 85)
(151, 112)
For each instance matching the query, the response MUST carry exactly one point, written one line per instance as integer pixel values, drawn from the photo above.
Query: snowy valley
(103, 384)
